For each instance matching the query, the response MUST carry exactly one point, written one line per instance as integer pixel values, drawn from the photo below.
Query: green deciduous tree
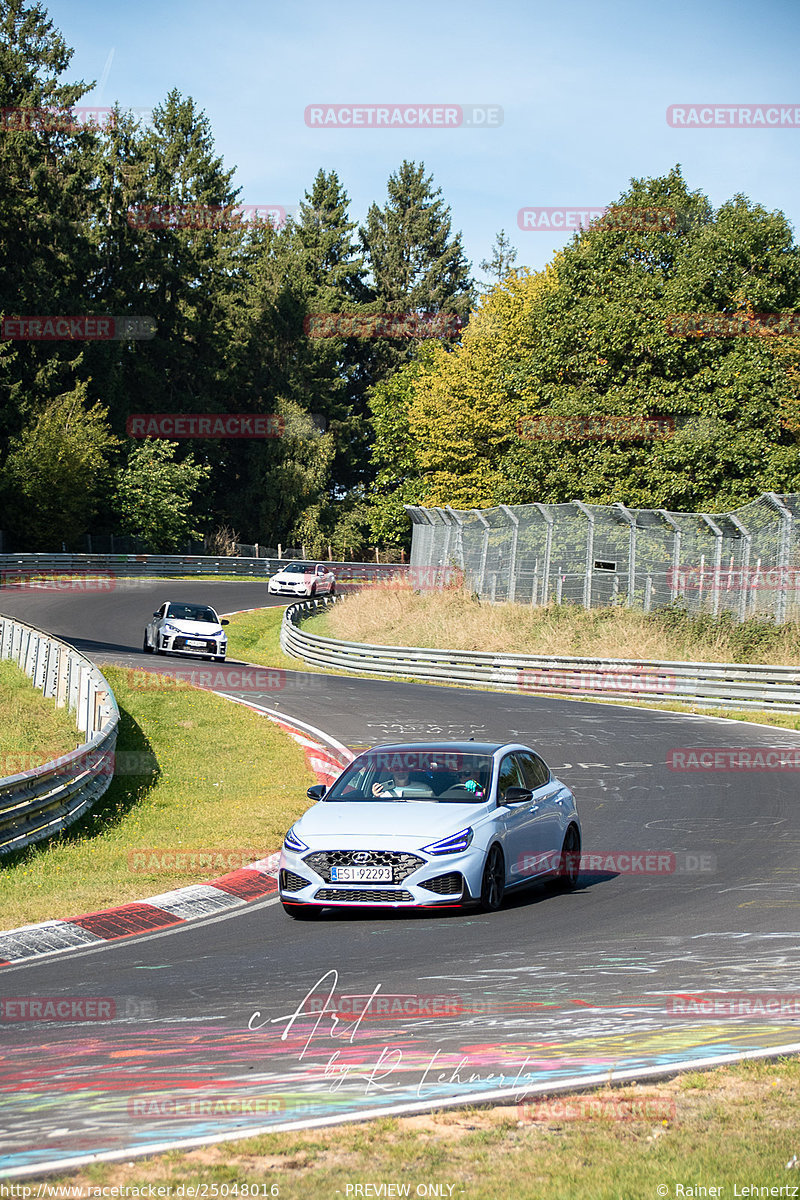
(498, 421)
(155, 494)
(57, 471)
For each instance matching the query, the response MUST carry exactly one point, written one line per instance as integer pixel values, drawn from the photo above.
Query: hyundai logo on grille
(361, 857)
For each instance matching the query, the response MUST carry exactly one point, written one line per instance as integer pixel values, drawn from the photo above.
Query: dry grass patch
(395, 615)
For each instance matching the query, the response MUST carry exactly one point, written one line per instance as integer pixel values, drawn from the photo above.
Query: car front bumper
(456, 878)
(175, 643)
(282, 589)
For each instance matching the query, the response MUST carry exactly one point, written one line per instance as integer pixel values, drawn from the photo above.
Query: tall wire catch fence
(745, 562)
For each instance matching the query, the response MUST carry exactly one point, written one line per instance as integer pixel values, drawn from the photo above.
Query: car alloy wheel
(494, 880)
(569, 863)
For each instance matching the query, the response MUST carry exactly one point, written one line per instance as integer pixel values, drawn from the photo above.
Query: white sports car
(303, 579)
(181, 628)
(431, 825)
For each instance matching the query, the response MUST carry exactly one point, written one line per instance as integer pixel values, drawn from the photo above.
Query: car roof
(192, 604)
(461, 747)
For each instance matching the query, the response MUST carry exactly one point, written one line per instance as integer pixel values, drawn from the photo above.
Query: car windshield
(418, 775)
(192, 612)
(298, 569)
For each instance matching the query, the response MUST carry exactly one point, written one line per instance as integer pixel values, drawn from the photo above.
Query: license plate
(361, 874)
(188, 643)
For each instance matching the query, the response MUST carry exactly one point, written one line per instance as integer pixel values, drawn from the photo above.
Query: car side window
(534, 770)
(162, 612)
(509, 776)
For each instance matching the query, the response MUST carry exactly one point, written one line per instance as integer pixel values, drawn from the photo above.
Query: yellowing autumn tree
(466, 407)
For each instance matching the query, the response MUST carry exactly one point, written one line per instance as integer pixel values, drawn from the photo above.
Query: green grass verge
(210, 775)
(735, 1126)
(32, 730)
(255, 637)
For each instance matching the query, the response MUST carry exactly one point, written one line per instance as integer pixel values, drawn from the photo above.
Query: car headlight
(451, 845)
(169, 629)
(293, 842)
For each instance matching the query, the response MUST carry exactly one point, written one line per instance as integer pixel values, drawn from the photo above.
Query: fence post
(484, 551)
(631, 519)
(587, 582)
(784, 552)
(744, 566)
(512, 565)
(547, 516)
(457, 523)
(676, 552)
(448, 537)
(718, 536)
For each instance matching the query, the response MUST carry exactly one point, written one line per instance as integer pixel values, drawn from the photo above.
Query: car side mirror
(156, 614)
(224, 622)
(317, 791)
(517, 795)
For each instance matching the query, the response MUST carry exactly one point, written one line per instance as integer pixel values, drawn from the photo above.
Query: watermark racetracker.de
(613, 219)
(77, 328)
(724, 1005)
(156, 860)
(693, 578)
(617, 862)
(734, 116)
(739, 758)
(403, 116)
(91, 119)
(205, 216)
(558, 1109)
(75, 1008)
(723, 324)
(67, 581)
(383, 325)
(205, 425)
(626, 679)
(552, 427)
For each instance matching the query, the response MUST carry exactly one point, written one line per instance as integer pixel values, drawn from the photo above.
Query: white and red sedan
(303, 579)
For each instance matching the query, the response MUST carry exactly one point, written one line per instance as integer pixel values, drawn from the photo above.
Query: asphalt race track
(211, 1040)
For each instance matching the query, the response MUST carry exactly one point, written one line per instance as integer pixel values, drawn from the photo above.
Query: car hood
(292, 576)
(361, 823)
(195, 628)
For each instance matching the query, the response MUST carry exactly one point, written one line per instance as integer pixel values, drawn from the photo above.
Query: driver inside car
(467, 781)
(401, 785)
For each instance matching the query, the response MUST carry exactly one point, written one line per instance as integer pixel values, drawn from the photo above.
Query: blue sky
(584, 89)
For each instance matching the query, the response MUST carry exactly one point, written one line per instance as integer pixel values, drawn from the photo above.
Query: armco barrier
(18, 570)
(719, 685)
(38, 803)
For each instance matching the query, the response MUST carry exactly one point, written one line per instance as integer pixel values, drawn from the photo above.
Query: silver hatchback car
(431, 825)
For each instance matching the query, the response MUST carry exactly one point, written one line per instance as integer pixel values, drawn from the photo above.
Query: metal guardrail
(16, 570)
(37, 803)
(737, 685)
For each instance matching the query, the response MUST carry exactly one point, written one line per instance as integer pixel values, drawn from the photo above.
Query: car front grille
(290, 882)
(402, 865)
(451, 884)
(180, 644)
(363, 896)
